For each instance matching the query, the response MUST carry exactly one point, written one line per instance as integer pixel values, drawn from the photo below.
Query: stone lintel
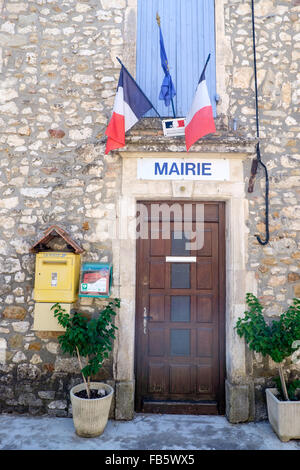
(190, 155)
(219, 145)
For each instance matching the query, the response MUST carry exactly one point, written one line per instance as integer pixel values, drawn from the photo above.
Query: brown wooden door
(180, 319)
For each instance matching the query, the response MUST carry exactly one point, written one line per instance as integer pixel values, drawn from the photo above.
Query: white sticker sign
(97, 286)
(183, 169)
(53, 279)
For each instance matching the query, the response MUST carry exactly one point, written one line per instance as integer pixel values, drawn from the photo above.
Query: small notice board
(95, 280)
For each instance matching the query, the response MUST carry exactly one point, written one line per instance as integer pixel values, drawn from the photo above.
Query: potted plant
(277, 339)
(90, 339)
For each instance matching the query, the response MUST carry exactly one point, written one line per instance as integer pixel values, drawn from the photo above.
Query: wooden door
(180, 318)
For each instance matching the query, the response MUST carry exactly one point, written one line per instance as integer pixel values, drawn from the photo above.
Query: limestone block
(15, 312)
(47, 394)
(34, 346)
(58, 405)
(61, 18)
(10, 265)
(264, 7)
(80, 79)
(15, 341)
(35, 192)
(78, 18)
(28, 372)
(7, 222)
(109, 4)
(67, 193)
(285, 246)
(4, 250)
(10, 107)
(297, 290)
(70, 365)
(16, 7)
(29, 399)
(80, 134)
(53, 348)
(243, 9)
(82, 7)
(15, 140)
(276, 281)
(9, 203)
(242, 77)
(237, 402)
(8, 27)
(7, 94)
(19, 357)
(288, 182)
(293, 277)
(103, 15)
(36, 359)
(124, 401)
(26, 20)
(260, 413)
(3, 347)
(24, 130)
(68, 31)
(290, 121)
(21, 326)
(13, 40)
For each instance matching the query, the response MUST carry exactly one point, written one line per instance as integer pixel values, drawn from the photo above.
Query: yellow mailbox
(56, 277)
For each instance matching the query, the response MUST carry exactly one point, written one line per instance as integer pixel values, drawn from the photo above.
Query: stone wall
(276, 265)
(58, 76)
(278, 41)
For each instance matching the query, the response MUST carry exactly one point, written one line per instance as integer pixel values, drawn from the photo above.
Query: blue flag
(167, 91)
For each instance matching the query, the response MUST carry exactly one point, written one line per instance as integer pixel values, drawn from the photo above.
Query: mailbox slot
(53, 262)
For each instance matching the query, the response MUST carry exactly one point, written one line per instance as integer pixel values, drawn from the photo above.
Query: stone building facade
(59, 74)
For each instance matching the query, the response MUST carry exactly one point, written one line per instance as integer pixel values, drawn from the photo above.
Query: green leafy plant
(275, 339)
(89, 338)
(291, 387)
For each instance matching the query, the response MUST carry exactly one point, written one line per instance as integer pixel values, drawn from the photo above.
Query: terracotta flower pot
(90, 416)
(284, 416)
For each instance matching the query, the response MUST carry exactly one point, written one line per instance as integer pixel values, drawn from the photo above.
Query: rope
(267, 237)
(258, 156)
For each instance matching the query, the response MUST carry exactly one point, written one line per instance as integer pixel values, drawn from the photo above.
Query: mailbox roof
(52, 232)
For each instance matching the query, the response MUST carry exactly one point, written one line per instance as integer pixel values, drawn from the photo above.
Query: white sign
(97, 286)
(183, 169)
(173, 126)
(53, 279)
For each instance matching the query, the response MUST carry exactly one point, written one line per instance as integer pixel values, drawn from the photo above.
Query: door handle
(145, 320)
(181, 259)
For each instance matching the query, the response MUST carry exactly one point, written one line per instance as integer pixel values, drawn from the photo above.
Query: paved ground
(145, 432)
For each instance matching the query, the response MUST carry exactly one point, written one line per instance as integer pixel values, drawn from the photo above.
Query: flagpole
(139, 87)
(203, 71)
(173, 108)
(158, 22)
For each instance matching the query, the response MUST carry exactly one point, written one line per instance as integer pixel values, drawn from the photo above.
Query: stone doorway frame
(238, 280)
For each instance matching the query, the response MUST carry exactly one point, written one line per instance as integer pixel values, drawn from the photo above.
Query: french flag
(199, 120)
(130, 105)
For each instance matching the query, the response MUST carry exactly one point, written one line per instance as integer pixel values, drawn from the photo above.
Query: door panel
(157, 307)
(204, 308)
(180, 321)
